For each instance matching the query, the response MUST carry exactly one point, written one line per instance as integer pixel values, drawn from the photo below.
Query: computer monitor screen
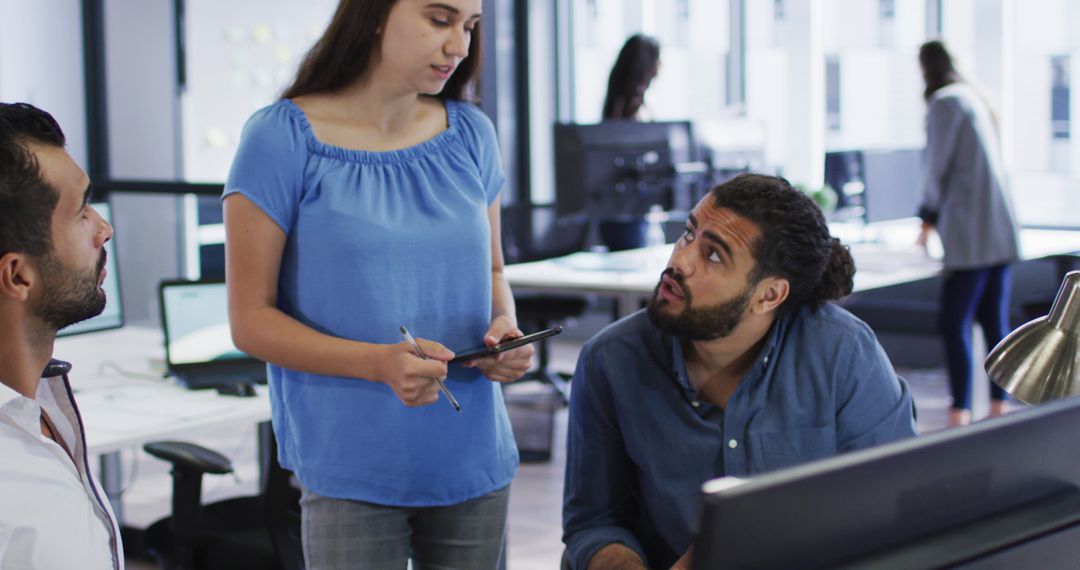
(113, 315)
(999, 490)
(195, 318)
(619, 168)
(844, 173)
(893, 180)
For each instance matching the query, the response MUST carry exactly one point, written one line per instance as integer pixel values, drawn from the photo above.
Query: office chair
(535, 312)
(260, 532)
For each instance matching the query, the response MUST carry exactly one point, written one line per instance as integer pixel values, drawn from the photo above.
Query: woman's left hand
(504, 366)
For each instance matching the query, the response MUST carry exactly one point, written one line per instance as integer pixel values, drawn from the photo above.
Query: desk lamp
(1040, 361)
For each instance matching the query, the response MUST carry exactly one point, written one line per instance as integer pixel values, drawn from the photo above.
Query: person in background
(633, 72)
(966, 200)
(364, 200)
(53, 513)
(739, 365)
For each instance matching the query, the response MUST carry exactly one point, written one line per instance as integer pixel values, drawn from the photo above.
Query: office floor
(536, 494)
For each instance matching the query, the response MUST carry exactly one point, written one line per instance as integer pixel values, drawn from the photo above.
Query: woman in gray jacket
(965, 199)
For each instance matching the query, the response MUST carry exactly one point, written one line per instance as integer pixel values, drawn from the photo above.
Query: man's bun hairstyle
(794, 244)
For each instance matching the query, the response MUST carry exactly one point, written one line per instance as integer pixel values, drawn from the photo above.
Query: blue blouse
(377, 240)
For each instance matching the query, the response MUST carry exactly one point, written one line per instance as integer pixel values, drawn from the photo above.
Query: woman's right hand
(413, 378)
(924, 235)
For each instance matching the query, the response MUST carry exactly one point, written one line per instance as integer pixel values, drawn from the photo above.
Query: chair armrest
(188, 456)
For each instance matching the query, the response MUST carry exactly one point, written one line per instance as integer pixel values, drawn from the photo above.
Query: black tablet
(483, 351)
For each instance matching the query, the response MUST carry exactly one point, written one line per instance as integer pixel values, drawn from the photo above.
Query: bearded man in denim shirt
(739, 365)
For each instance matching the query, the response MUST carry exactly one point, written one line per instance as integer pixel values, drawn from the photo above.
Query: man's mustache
(677, 277)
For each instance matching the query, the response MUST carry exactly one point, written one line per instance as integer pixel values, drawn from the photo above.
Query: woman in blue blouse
(365, 199)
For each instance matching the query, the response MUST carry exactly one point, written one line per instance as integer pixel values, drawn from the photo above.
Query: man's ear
(17, 276)
(771, 293)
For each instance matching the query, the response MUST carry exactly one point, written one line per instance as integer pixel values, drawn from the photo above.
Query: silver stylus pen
(416, 347)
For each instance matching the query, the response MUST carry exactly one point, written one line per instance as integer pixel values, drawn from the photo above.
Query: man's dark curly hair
(27, 201)
(794, 244)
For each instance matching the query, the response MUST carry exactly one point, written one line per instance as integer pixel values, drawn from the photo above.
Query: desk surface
(121, 412)
(884, 255)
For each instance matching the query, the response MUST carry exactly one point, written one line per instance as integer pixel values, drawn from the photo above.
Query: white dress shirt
(53, 514)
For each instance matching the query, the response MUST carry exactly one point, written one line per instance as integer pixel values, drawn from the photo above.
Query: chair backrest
(563, 236)
(556, 236)
(181, 540)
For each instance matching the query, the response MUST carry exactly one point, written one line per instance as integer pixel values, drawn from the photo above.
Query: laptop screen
(194, 315)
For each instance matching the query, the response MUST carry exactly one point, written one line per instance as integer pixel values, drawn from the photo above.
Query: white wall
(41, 63)
(240, 55)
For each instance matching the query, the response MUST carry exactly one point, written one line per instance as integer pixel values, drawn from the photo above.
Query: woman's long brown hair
(343, 53)
(937, 66)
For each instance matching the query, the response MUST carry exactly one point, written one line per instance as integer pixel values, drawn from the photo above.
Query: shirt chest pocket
(776, 450)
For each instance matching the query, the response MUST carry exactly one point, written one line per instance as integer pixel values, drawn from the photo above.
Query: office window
(887, 9)
(681, 25)
(873, 86)
(1060, 144)
(694, 45)
(1020, 55)
(1059, 96)
(886, 23)
(832, 93)
(702, 77)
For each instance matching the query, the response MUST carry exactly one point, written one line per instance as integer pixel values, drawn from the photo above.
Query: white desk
(884, 254)
(121, 412)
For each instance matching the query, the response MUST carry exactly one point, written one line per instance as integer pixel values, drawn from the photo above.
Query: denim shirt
(641, 443)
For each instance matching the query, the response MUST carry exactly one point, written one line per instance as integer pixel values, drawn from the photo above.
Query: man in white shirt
(53, 514)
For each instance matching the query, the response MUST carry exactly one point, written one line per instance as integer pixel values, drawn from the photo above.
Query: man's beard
(69, 296)
(704, 323)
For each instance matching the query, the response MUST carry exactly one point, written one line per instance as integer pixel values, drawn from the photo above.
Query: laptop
(198, 344)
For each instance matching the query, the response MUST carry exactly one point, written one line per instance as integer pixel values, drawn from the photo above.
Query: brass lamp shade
(1040, 361)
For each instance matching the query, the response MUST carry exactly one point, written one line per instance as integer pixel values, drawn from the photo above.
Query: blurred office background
(153, 95)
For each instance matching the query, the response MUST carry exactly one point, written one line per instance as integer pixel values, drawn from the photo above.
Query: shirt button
(695, 403)
(766, 361)
(732, 443)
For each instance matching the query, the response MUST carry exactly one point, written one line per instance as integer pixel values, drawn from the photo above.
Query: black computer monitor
(113, 315)
(621, 168)
(842, 167)
(1002, 493)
